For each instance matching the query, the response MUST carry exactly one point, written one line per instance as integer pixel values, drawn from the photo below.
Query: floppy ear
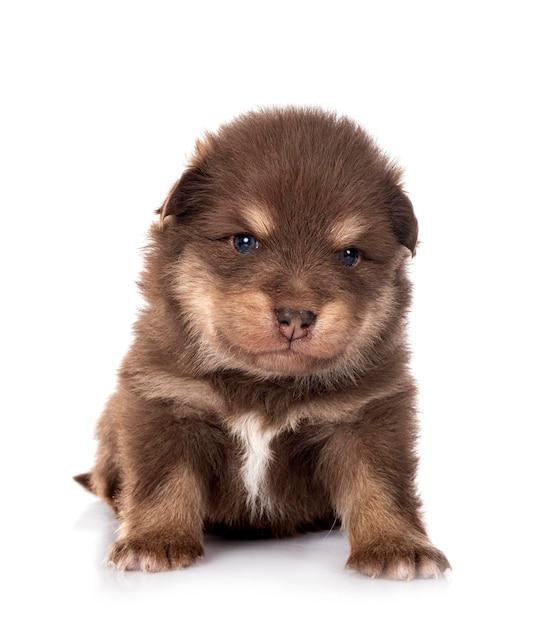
(400, 210)
(184, 194)
(404, 222)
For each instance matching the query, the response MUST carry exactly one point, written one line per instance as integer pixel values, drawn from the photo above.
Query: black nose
(294, 324)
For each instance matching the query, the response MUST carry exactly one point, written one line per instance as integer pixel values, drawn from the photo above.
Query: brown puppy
(267, 389)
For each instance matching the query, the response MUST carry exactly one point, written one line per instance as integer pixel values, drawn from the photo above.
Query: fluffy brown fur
(267, 389)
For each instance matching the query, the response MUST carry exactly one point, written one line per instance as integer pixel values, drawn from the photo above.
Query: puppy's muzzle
(294, 324)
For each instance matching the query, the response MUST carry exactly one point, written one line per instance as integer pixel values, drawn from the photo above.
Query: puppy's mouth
(288, 340)
(287, 347)
(247, 330)
(286, 355)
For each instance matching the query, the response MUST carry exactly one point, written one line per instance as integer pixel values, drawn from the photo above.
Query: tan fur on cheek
(244, 318)
(196, 293)
(332, 329)
(247, 321)
(230, 324)
(375, 318)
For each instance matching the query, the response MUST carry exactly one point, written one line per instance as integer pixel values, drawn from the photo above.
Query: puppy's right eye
(244, 243)
(349, 257)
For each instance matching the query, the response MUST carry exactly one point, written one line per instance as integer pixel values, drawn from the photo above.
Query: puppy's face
(287, 236)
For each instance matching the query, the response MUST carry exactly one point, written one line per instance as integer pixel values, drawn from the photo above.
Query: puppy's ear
(184, 194)
(401, 212)
(404, 222)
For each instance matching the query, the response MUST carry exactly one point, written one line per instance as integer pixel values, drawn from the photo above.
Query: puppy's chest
(256, 456)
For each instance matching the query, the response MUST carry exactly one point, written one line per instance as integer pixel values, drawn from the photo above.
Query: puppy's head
(286, 238)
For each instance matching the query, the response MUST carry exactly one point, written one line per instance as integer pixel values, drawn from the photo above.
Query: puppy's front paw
(155, 552)
(398, 560)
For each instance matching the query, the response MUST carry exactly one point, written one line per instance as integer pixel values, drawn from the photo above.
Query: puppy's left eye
(349, 256)
(244, 243)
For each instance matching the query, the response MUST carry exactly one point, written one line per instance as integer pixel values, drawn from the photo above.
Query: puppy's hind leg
(85, 480)
(105, 478)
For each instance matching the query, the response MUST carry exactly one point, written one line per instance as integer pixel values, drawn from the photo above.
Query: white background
(101, 103)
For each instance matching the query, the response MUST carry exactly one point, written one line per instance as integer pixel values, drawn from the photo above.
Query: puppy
(267, 389)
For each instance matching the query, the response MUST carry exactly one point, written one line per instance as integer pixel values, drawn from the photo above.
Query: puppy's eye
(349, 256)
(244, 243)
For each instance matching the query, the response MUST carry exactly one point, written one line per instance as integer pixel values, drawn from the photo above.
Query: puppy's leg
(163, 530)
(384, 540)
(379, 510)
(166, 458)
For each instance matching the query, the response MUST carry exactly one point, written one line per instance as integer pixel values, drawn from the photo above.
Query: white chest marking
(255, 460)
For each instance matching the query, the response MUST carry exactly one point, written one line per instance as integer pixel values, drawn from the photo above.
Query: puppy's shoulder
(161, 385)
